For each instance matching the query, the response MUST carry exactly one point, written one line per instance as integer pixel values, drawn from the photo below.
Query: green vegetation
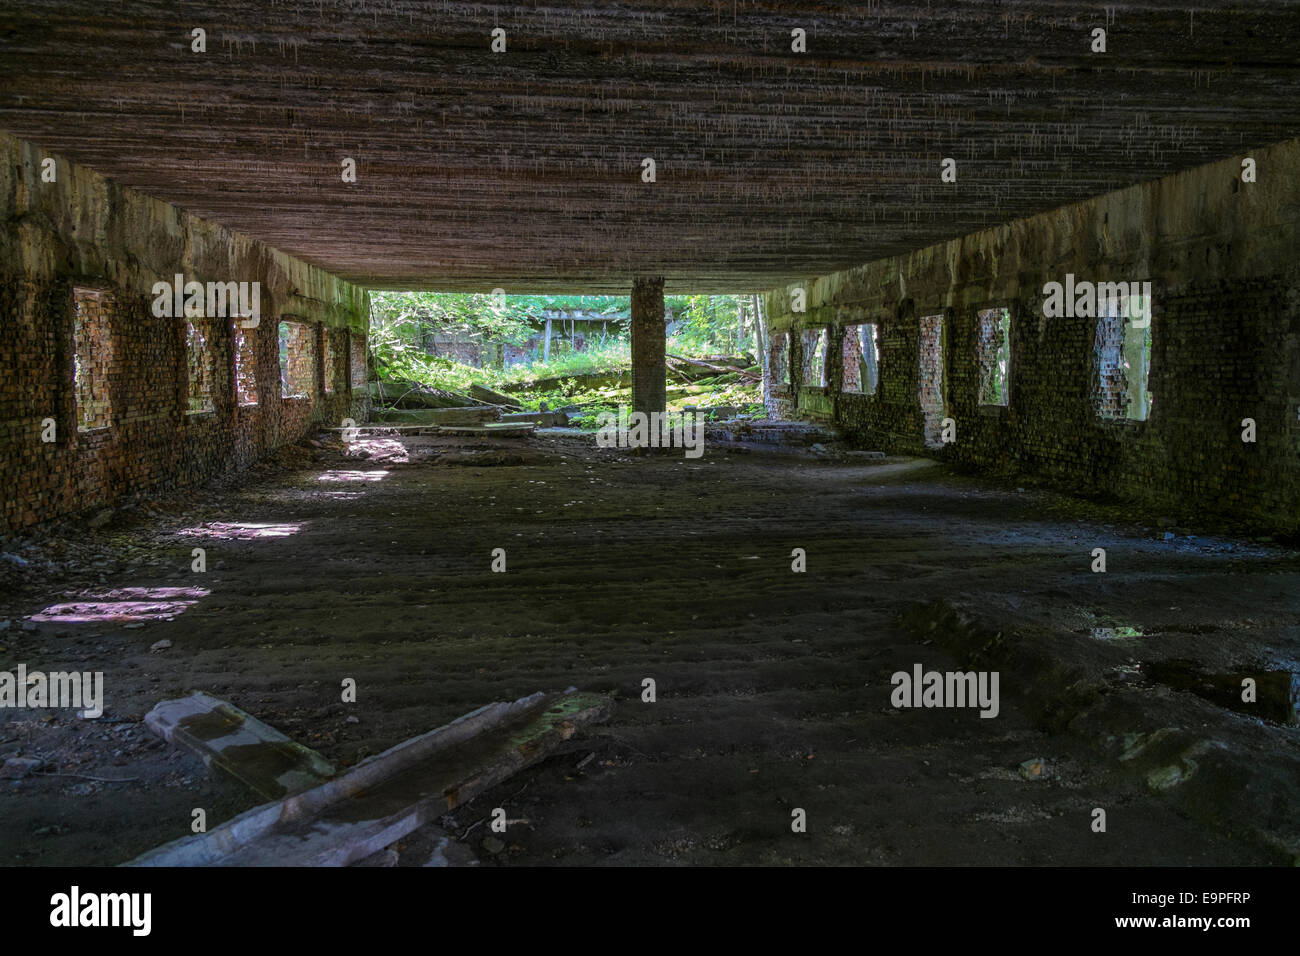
(397, 358)
(609, 357)
(404, 326)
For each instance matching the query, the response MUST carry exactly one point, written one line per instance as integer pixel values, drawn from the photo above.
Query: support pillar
(649, 373)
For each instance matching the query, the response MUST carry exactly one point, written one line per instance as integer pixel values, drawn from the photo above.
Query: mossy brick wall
(82, 232)
(1225, 279)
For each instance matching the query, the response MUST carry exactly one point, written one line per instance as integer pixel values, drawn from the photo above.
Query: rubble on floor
(352, 817)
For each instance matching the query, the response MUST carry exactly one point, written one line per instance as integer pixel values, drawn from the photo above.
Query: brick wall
(357, 344)
(472, 352)
(1224, 345)
(141, 375)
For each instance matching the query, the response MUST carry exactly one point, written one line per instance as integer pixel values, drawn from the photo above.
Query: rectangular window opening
(199, 366)
(245, 365)
(814, 357)
(861, 359)
(1122, 360)
(93, 312)
(358, 360)
(331, 373)
(993, 351)
(779, 359)
(297, 360)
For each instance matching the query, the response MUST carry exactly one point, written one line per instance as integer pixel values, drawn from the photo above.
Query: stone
(160, 645)
(1034, 768)
(17, 767)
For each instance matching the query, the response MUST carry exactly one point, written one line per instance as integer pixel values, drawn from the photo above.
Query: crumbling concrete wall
(1221, 256)
(81, 231)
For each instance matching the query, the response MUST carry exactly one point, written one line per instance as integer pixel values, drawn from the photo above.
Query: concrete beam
(649, 372)
(374, 804)
(239, 744)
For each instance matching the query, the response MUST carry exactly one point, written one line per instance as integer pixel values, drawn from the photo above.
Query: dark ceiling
(523, 169)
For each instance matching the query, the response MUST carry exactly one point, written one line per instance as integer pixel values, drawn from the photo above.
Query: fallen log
(585, 381)
(415, 395)
(542, 419)
(474, 415)
(495, 398)
(489, 428)
(716, 368)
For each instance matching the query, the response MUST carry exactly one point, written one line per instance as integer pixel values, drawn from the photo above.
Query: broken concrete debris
(346, 818)
(239, 744)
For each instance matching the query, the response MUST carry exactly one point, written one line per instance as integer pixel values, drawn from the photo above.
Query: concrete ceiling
(523, 169)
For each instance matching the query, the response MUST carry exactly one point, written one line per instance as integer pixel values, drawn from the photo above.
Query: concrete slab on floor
(358, 814)
(239, 744)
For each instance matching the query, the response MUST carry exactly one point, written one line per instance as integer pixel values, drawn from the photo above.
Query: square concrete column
(649, 374)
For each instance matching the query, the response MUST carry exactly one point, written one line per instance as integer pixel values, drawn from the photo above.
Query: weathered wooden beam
(484, 394)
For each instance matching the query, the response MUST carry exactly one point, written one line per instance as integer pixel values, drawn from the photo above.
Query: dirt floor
(773, 687)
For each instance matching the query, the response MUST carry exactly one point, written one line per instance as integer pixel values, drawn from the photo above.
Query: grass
(401, 360)
(610, 357)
